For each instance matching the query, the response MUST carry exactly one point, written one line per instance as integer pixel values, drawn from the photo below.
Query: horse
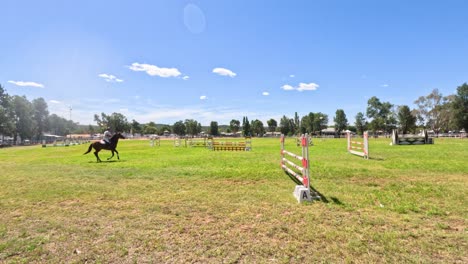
(98, 146)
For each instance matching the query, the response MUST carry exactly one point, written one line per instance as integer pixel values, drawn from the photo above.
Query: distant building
(272, 134)
(329, 131)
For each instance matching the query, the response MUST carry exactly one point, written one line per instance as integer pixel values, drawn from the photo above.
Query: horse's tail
(89, 149)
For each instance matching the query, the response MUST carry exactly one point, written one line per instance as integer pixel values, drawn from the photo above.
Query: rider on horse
(109, 142)
(107, 137)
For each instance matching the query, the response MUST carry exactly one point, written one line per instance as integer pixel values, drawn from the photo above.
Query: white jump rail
(301, 192)
(359, 148)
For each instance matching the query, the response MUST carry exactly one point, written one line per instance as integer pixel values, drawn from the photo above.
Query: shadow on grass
(106, 161)
(323, 198)
(336, 201)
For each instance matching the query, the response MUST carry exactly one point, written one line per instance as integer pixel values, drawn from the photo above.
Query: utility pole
(70, 119)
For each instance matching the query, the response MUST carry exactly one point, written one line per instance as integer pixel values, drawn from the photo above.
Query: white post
(366, 145)
(348, 135)
(282, 150)
(305, 161)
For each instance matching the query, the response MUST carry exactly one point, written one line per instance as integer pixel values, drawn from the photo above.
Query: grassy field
(179, 205)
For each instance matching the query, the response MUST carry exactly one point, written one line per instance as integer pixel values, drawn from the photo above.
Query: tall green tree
(100, 123)
(246, 127)
(135, 127)
(460, 107)
(192, 127)
(214, 128)
(117, 122)
(341, 122)
(59, 125)
(55, 126)
(257, 128)
(381, 115)
(179, 128)
(272, 124)
(24, 122)
(285, 125)
(40, 117)
(7, 125)
(361, 123)
(430, 110)
(307, 123)
(164, 129)
(320, 122)
(406, 119)
(297, 123)
(234, 125)
(90, 129)
(150, 130)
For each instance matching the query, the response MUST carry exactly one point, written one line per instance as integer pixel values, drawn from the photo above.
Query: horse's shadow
(107, 161)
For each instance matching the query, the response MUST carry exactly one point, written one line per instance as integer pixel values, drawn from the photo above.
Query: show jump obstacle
(198, 142)
(411, 139)
(309, 139)
(180, 142)
(233, 146)
(359, 148)
(155, 141)
(301, 192)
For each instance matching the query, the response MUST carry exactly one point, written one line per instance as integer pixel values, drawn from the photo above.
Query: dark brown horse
(98, 146)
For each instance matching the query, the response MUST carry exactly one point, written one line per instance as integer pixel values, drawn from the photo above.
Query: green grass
(167, 204)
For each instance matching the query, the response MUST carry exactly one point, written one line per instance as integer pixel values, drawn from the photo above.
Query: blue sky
(165, 61)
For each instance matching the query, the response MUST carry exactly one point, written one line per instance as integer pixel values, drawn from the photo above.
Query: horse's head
(116, 136)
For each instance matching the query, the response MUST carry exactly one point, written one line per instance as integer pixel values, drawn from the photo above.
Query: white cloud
(384, 85)
(185, 77)
(292, 76)
(307, 87)
(287, 87)
(110, 77)
(54, 102)
(266, 93)
(31, 84)
(301, 87)
(102, 101)
(154, 70)
(203, 97)
(224, 72)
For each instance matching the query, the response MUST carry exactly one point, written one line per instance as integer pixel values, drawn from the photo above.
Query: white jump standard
(354, 146)
(179, 141)
(301, 192)
(155, 141)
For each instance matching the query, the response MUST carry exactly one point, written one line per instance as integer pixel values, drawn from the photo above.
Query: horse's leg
(112, 155)
(97, 156)
(117, 154)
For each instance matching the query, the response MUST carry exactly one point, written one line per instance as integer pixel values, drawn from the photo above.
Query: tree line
(31, 119)
(26, 119)
(434, 111)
